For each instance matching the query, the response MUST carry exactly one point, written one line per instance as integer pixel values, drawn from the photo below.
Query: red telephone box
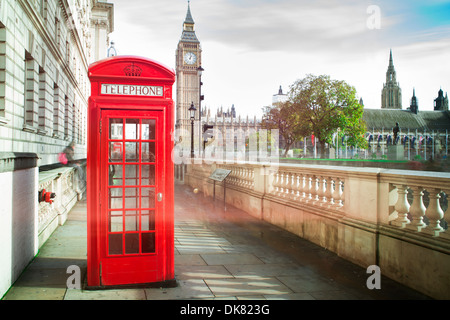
(130, 186)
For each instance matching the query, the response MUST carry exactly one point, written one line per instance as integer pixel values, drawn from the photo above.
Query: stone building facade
(46, 47)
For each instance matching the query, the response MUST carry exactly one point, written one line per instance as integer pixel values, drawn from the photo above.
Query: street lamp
(192, 116)
(200, 98)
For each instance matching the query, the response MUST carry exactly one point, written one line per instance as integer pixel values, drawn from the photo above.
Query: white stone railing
(64, 182)
(325, 187)
(397, 219)
(411, 212)
(323, 190)
(241, 176)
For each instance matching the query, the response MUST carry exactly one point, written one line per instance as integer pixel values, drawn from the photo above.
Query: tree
(326, 105)
(282, 116)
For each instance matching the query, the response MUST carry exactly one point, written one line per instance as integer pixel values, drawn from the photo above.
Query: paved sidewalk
(219, 255)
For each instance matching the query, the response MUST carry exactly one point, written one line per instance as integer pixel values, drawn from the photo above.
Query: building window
(57, 31)
(43, 9)
(75, 124)
(31, 95)
(68, 119)
(45, 112)
(3, 70)
(58, 112)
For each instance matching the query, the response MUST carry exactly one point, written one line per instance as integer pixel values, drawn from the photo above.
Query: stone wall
(18, 215)
(26, 223)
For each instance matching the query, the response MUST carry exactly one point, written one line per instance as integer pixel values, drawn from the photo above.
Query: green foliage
(284, 118)
(323, 106)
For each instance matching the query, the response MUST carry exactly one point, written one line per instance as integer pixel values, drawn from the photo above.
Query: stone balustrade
(396, 219)
(64, 182)
(313, 189)
(410, 211)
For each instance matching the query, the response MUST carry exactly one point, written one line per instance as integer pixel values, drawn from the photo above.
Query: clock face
(190, 58)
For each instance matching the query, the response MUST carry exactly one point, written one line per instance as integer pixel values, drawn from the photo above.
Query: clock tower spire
(391, 95)
(188, 57)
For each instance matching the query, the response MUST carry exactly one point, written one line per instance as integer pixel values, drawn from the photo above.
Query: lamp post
(200, 98)
(192, 116)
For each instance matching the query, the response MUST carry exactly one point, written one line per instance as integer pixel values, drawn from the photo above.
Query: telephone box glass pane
(131, 151)
(131, 221)
(116, 129)
(131, 198)
(148, 152)
(148, 242)
(115, 243)
(115, 152)
(148, 198)
(148, 175)
(148, 129)
(116, 221)
(148, 221)
(115, 175)
(115, 198)
(131, 243)
(132, 129)
(131, 175)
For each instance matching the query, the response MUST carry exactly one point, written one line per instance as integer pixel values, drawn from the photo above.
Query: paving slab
(110, 294)
(186, 289)
(247, 287)
(231, 258)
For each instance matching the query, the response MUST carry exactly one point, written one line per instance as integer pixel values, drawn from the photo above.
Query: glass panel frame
(131, 189)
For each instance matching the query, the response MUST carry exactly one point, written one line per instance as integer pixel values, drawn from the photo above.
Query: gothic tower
(414, 105)
(391, 95)
(188, 57)
(441, 102)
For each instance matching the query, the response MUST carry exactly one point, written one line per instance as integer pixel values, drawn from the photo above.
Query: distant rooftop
(423, 120)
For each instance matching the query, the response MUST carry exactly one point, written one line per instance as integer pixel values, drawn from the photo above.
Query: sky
(252, 47)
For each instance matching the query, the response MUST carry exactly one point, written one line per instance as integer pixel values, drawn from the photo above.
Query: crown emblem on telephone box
(132, 71)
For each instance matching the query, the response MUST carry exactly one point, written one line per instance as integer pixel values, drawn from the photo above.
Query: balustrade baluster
(401, 206)
(286, 184)
(295, 187)
(434, 213)
(275, 182)
(243, 177)
(291, 186)
(338, 194)
(250, 178)
(417, 210)
(320, 190)
(318, 197)
(330, 191)
(281, 184)
(301, 187)
(315, 190)
(323, 191)
(309, 188)
(446, 233)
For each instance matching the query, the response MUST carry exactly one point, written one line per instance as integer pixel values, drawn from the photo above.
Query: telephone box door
(132, 197)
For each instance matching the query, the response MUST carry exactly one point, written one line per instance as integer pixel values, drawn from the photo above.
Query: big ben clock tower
(188, 59)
